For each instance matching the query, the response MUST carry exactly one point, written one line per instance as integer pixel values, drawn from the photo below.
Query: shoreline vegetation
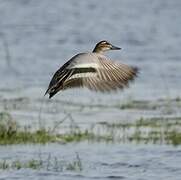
(156, 130)
(162, 129)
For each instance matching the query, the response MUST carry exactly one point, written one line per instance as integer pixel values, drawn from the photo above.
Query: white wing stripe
(85, 65)
(82, 75)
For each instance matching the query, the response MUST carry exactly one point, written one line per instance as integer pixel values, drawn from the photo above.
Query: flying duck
(92, 70)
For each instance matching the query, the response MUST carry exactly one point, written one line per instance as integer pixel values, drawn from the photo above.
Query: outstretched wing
(61, 74)
(95, 72)
(108, 76)
(78, 66)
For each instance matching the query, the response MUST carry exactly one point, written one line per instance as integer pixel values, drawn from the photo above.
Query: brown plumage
(92, 70)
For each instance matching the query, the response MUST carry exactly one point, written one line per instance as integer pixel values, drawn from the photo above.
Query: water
(36, 37)
(100, 161)
(43, 35)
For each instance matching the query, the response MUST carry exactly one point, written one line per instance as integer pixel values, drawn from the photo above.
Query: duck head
(103, 46)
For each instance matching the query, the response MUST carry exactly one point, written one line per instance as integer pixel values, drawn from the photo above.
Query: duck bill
(115, 48)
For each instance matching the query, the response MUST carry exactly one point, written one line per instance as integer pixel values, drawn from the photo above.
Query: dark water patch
(114, 177)
(115, 165)
(176, 152)
(134, 165)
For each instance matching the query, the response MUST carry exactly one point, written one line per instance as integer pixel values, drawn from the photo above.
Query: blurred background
(37, 37)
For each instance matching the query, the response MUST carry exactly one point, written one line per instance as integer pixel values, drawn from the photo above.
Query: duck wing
(56, 82)
(106, 76)
(93, 71)
(77, 67)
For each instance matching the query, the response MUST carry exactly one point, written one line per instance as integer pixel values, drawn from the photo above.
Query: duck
(94, 71)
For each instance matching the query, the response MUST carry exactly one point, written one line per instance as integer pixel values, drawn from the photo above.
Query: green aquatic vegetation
(137, 135)
(155, 122)
(11, 133)
(31, 164)
(147, 130)
(42, 137)
(173, 137)
(167, 105)
(75, 165)
(146, 123)
(116, 124)
(23, 136)
(138, 123)
(178, 99)
(7, 124)
(50, 163)
(128, 105)
(4, 165)
(152, 130)
(17, 164)
(34, 164)
(133, 104)
(76, 136)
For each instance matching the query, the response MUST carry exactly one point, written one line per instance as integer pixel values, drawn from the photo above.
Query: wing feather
(93, 71)
(107, 77)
